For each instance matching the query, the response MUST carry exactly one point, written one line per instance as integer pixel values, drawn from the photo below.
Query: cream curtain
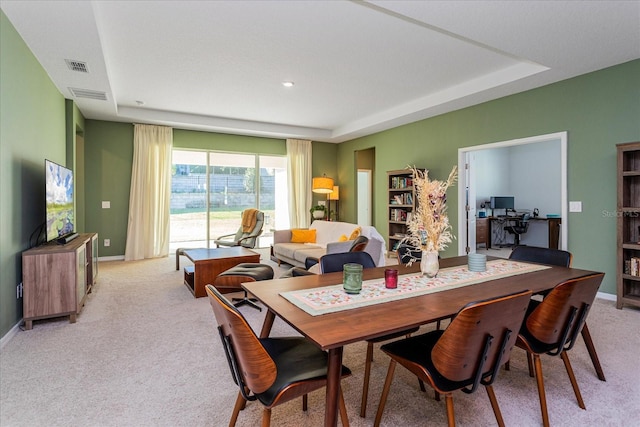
(148, 227)
(299, 175)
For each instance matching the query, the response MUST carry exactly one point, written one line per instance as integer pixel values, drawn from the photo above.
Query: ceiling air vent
(90, 94)
(77, 65)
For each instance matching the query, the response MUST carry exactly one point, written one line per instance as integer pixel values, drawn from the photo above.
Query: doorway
(365, 169)
(512, 176)
(364, 197)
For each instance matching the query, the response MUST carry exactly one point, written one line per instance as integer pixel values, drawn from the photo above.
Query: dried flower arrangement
(429, 228)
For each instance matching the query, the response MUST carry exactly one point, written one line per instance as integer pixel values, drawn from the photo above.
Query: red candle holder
(391, 278)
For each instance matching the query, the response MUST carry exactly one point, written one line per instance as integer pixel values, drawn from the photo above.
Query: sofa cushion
(289, 250)
(301, 255)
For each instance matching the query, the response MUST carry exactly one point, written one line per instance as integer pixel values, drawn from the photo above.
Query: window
(210, 190)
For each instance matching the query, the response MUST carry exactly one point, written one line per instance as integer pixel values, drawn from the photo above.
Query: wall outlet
(106, 204)
(107, 242)
(575, 206)
(19, 291)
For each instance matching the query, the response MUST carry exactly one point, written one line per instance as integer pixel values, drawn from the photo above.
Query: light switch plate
(575, 206)
(106, 204)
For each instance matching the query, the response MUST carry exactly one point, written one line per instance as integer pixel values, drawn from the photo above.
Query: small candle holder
(391, 278)
(352, 278)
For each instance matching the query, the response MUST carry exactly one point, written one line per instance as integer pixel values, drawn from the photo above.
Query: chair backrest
(359, 244)
(542, 255)
(524, 223)
(331, 263)
(251, 366)
(480, 338)
(407, 253)
(559, 318)
(249, 239)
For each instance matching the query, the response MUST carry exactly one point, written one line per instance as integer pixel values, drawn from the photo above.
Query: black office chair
(520, 227)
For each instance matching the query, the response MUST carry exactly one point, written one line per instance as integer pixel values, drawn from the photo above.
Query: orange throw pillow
(303, 236)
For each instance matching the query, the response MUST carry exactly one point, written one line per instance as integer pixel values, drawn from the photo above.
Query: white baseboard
(605, 296)
(111, 258)
(12, 332)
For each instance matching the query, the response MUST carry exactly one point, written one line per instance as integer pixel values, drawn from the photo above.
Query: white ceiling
(358, 67)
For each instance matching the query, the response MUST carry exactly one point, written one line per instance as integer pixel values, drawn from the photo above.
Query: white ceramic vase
(429, 263)
(318, 214)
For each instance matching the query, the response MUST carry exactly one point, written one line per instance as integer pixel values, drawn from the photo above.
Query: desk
(554, 228)
(328, 332)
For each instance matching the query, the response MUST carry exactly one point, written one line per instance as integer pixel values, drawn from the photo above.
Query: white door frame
(465, 181)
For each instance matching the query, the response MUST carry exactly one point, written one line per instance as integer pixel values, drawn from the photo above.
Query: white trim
(111, 258)
(606, 296)
(9, 335)
(562, 136)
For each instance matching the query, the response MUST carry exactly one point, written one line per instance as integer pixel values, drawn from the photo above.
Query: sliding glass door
(211, 189)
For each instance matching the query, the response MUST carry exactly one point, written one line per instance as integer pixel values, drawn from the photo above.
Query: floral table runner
(329, 299)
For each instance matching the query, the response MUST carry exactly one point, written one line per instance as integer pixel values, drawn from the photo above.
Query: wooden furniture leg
(586, 335)
(333, 387)
(268, 324)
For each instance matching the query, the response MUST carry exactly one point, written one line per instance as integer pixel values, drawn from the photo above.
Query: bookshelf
(628, 225)
(401, 204)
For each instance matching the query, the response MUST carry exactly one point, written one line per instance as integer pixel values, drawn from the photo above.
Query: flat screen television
(60, 221)
(503, 202)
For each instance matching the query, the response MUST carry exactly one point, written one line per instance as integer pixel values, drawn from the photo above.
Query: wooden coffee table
(208, 263)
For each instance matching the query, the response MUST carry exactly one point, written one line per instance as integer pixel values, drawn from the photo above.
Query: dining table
(331, 331)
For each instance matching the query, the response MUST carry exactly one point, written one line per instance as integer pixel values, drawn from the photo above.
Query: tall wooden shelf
(628, 225)
(57, 278)
(401, 204)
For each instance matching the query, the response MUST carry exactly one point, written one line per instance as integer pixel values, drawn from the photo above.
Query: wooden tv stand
(57, 278)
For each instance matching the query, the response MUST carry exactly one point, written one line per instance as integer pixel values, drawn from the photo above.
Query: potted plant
(318, 211)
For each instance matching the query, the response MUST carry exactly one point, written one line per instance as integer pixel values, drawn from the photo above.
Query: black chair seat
(303, 360)
(417, 349)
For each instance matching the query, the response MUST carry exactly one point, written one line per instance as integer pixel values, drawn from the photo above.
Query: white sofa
(327, 241)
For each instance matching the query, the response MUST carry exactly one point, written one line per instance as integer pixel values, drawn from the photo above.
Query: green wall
(598, 110)
(108, 153)
(32, 117)
(109, 156)
(323, 157)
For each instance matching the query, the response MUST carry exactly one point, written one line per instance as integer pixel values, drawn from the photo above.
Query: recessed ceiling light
(287, 84)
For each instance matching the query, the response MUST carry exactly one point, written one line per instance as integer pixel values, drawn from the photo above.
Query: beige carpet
(144, 352)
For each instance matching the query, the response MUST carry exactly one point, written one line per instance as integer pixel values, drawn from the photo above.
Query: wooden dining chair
(467, 354)
(563, 259)
(270, 370)
(552, 327)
